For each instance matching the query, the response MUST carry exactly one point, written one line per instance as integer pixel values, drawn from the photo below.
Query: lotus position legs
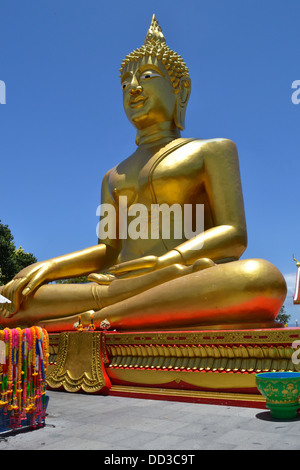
(198, 295)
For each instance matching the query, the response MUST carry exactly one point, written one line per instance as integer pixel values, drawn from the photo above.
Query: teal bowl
(282, 391)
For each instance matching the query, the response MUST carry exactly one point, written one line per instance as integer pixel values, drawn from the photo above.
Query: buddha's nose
(135, 88)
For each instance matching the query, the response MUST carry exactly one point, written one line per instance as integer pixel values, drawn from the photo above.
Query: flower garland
(23, 375)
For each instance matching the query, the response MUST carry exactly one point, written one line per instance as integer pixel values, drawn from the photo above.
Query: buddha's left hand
(145, 264)
(125, 270)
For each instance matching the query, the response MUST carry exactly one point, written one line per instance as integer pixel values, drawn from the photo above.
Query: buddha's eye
(124, 84)
(149, 74)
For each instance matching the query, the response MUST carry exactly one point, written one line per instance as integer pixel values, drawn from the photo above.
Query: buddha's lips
(138, 101)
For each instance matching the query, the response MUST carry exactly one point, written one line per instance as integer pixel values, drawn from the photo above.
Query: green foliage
(12, 259)
(282, 316)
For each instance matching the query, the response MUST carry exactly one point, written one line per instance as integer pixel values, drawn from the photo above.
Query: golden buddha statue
(144, 282)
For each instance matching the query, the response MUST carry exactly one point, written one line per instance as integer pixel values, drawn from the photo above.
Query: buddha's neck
(158, 133)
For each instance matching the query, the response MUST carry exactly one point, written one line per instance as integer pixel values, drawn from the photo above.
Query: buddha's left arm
(227, 239)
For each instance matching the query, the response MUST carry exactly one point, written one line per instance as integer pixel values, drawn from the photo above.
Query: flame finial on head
(154, 32)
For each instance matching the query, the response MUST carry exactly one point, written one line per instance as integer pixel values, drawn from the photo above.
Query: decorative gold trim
(183, 380)
(257, 336)
(188, 394)
(79, 364)
(222, 358)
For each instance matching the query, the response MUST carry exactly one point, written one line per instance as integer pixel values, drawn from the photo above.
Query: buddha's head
(155, 82)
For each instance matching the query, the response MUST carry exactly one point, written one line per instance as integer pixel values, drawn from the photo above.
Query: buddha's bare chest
(172, 178)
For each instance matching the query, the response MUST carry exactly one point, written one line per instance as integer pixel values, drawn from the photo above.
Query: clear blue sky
(63, 125)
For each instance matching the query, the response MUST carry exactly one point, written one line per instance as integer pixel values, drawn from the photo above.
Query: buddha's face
(148, 94)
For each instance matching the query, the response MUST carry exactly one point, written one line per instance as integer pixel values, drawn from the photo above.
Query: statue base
(213, 366)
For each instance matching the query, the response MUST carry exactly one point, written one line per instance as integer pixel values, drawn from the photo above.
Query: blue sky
(63, 125)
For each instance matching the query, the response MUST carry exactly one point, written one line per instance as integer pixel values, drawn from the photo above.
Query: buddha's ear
(181, 102)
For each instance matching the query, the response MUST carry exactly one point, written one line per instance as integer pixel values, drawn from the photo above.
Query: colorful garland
(23, 375)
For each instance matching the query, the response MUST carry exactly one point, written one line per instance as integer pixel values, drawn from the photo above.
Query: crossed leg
(241, 293)
(57, 306)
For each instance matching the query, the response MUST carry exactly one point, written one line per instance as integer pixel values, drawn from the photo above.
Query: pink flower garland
(23, 376)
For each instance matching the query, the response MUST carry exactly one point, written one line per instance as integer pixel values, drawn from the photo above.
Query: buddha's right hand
(24, 283)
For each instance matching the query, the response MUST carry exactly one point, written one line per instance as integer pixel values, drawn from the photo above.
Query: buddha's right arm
(78, 263)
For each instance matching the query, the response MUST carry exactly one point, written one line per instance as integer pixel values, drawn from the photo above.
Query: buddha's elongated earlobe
(182, 101)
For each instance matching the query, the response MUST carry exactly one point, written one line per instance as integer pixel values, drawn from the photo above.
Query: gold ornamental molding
(257, 336)
(223, 398)
(79, 364)
(237, 351)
